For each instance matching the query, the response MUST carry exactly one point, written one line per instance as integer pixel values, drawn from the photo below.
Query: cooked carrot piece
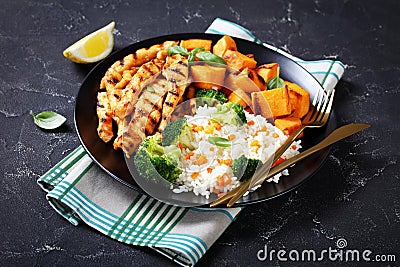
(191, 153)
(278, 161)
(195, 175)
(217, 126)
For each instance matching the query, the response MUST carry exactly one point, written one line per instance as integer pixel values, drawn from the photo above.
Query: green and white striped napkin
(81, 192)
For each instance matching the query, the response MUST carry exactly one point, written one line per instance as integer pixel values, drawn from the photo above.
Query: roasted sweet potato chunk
(299, 99)
(260, 106)
(224, 44)
(241, 97)
(207, 77)
(268, 71)
(195, 43)
(277, 99)
(238, 61)
(257, 80)
(288, 124)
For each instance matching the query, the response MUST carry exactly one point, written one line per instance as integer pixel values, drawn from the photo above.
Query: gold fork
(317, 117)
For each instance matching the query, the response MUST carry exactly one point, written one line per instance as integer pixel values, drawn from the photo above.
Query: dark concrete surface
(354, 196)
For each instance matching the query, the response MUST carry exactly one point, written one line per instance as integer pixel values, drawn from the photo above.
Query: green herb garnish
(198, 52)
(194, 52)
(48, 119)
(219, 141)
(173, 50)
(275, 82)
(210, 57)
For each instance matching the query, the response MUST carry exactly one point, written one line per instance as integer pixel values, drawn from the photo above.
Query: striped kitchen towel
(81, 192)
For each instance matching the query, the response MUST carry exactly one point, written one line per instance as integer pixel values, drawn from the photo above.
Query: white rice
(207, 170)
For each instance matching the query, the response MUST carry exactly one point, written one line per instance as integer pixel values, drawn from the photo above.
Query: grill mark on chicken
(154, 117)
(177, 84)
(136, 59)
(131, 93)
(143, 115)
(168, 103)
(103, 111)
(136, 111)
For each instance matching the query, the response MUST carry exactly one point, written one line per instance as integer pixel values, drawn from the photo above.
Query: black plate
(113, 161)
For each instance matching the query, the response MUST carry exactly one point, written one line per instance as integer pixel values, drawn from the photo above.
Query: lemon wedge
(93, 47)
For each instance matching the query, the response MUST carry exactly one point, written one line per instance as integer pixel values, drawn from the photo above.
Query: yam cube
(288, 125)
(195, 43)
(238, 61)
(208, 77)
(277, 99)
(268, 71)
(260, 106)
(257, 80)
(299, 99)
(241, 97)
(224, 44)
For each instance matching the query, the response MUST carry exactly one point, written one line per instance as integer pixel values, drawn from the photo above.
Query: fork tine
(317, 107)
(316, 98)
(328, 109)
(312, 110)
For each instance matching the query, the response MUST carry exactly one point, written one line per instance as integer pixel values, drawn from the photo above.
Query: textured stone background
(354, 196)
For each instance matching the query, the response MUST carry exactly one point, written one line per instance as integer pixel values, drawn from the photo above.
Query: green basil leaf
(210, 57)
(275, 82)
(150, 89)
(48, 119)
(219, 141)
(194, 52)
(173, 50)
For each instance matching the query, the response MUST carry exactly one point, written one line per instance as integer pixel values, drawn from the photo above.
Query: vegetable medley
(140, 92)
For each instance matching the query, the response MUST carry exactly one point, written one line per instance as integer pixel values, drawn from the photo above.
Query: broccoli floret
(178, 131)
(152, 160)
(210, 93)
(230, 113)
(244, 168)
(166, 168)
(238, 109)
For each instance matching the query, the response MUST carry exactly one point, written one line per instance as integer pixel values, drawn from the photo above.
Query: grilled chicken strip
(114, 92)
(135, 132)
(122, 124)
(136, 59)
(129, 95)
(154, 117)
(103, 110)
(176, 71)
